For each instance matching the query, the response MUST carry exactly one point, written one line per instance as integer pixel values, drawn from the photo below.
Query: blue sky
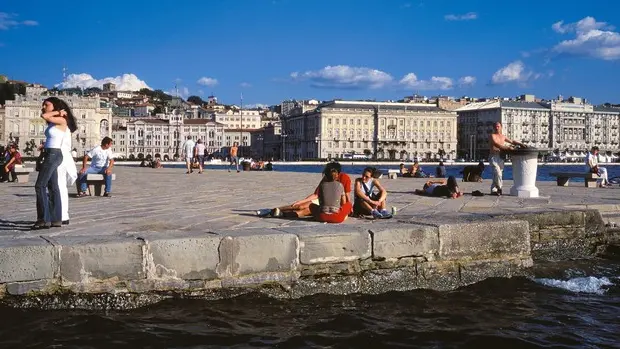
(270, 50)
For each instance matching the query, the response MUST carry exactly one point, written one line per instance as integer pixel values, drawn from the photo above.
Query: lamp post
(261, 139)
(472, 147)
(283, 136)
(317, 140)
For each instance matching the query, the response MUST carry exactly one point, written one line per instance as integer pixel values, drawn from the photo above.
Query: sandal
(82, 194)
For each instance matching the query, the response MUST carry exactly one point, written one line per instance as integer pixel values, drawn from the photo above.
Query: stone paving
(168, 201)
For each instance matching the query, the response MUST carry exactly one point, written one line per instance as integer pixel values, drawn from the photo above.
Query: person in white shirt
(102, 163)
(199, 153)
(593, 167)
(188, 148)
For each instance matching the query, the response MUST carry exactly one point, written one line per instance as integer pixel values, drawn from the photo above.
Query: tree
(195, 100)
(92, 90)
(158, 110)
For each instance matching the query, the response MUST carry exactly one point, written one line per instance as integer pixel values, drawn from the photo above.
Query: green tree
(195, 100)
(92, 90)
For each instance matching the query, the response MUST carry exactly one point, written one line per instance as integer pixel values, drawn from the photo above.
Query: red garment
(331, 217)
(344, 179)
(18, 160)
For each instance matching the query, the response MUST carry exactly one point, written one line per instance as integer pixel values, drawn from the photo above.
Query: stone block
(26, 259)
(22, 288)
(188, 258)
(397, 240)
(244, 252)
(91, 259)
(331, 243)
(488, 240)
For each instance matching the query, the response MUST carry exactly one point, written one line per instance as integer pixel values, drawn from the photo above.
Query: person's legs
(237, 163)
(201, 162)
(188, 164)
(48, 168)
(108, 180)
(55, 201)
(82, 179)
(602, 171)
(498, 166)
(13, 174)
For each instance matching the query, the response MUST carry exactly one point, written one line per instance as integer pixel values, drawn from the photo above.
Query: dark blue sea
(566, 305)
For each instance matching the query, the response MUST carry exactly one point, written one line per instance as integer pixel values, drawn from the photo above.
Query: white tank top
(53, 136)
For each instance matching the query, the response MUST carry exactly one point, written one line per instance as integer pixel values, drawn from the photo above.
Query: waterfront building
(23, 123)
(557, 124)
(246, 119)
(382, 130)
(163, 137)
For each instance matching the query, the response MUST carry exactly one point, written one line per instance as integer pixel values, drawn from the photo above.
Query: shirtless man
(497, 143)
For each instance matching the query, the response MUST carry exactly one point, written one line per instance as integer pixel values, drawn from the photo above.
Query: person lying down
(441, 188)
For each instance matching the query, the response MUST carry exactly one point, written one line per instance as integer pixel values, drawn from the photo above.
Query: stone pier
(168, 234)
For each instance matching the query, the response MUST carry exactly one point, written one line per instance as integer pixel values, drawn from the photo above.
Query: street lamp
(317, 140)
(283, 135)
(261, 139)
(472, 147)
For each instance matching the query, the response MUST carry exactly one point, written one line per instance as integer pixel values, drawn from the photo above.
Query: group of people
(331, 200)
(56, 165)
(415, 171)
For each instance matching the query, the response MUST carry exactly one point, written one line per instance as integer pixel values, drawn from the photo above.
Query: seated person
(367, 201)
(333, 206)
(269, 166)
(440, 171)
(441, 188)
(403, 170)
(416, 171)
(102, 163)
(593, 167)
(301, 208)
(157, 163)
(13, 158)
(473, 173)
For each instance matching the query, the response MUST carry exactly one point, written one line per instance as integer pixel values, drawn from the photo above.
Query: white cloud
(467, 81)
(592, 39)
(9, 20)
(411, 81)
(513, 72)
(245, 84)
(464, 17)
(343, 76)
(206, 81)
(125, 82)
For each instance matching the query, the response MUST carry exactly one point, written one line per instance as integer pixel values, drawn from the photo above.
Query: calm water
(452, 170)
(570, 305)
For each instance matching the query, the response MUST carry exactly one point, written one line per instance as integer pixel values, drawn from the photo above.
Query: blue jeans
(49, 207)
(96, 170)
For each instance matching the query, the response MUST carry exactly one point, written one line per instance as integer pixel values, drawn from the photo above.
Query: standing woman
(67, 172)
(49, 210)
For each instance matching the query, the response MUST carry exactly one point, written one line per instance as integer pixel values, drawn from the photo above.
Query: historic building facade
(572, 124)
(382, 130)
(23, 123)
(164, 137)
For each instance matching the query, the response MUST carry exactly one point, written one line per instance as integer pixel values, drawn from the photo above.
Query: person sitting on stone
(593, 167)
(301, 208)
(102, 163)
(403, 170)
(441, 188)
(333, 206)
(440, 171)
(367, 200)
(14, 158)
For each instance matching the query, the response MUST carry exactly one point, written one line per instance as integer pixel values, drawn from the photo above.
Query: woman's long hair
(59, 104)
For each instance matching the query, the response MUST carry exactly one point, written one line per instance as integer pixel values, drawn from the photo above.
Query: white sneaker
(263, 212)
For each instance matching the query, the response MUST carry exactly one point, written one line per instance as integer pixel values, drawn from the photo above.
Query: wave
(589, 284)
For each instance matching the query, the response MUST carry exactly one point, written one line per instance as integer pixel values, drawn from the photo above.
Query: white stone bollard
(524, 170)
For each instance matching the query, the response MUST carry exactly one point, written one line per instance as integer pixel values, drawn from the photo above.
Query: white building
(559, 124)
(23, 122)
(164, 137)
(384, 130)
(143, 110)
(233, 120)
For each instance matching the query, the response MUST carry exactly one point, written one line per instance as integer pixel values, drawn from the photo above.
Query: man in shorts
(233, 156)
